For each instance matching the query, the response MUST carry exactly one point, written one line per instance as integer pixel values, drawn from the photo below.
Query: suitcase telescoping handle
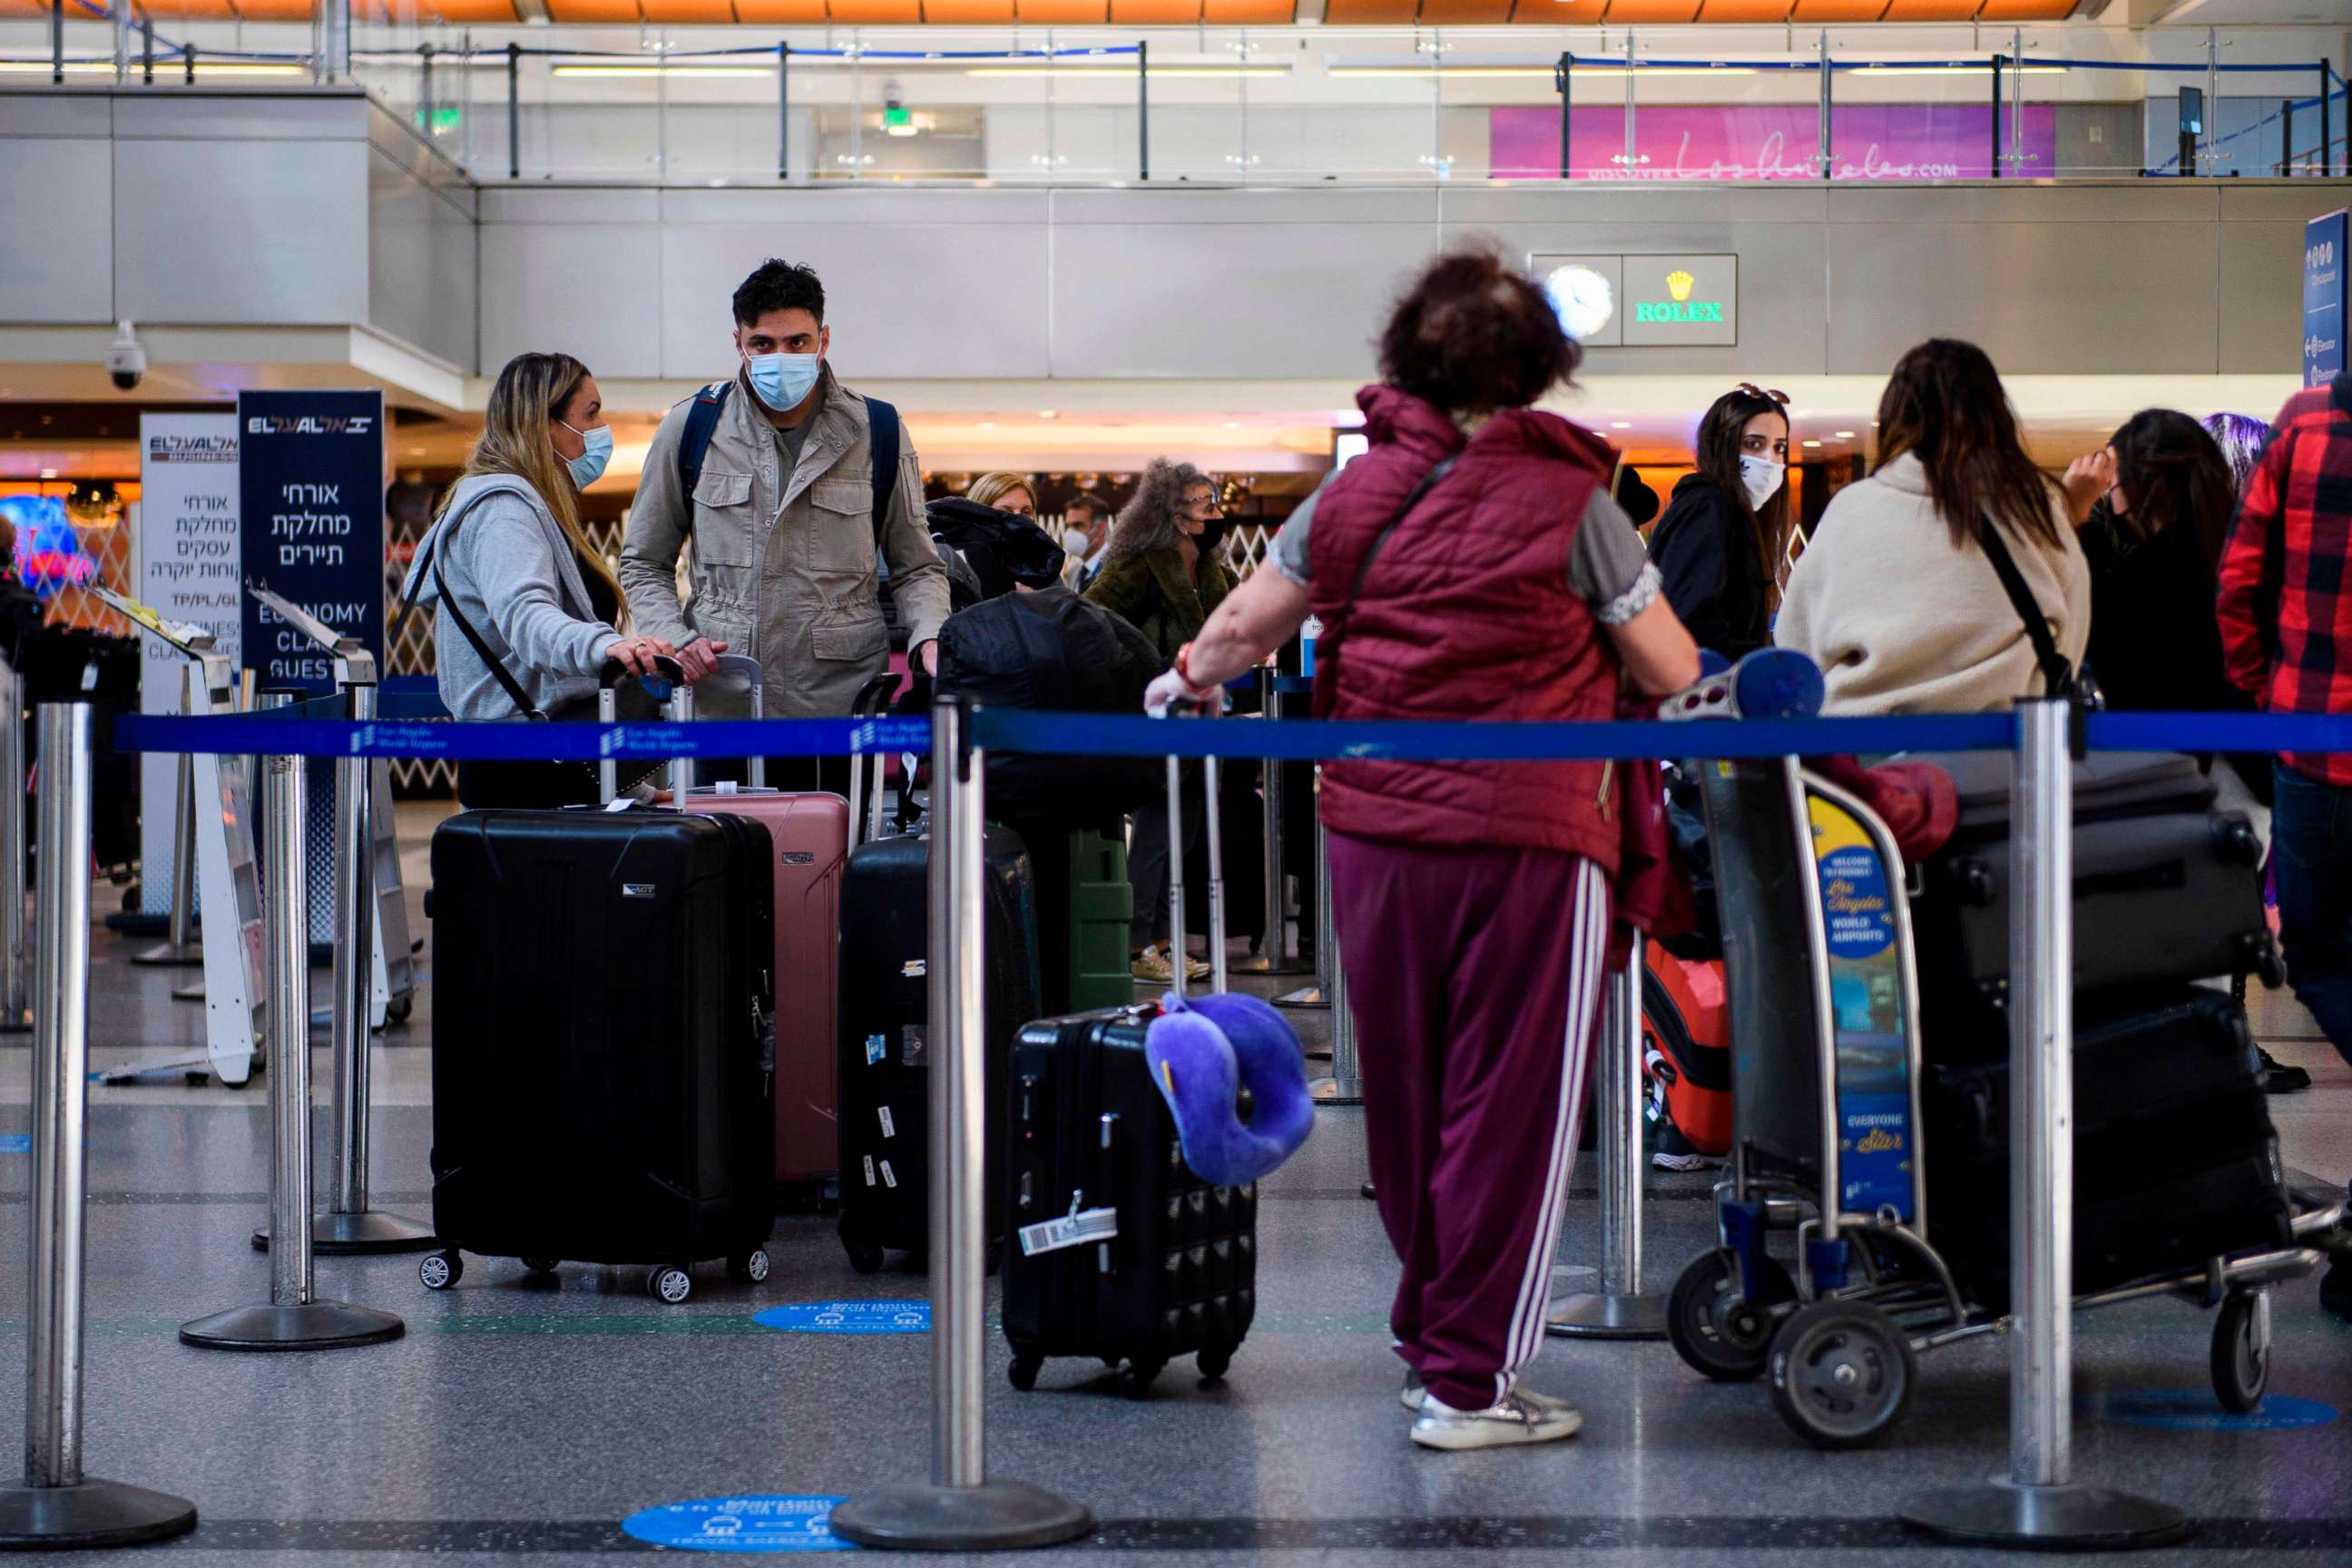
(667, 686)
(742, 666)
(865, 792)
(1216, 847)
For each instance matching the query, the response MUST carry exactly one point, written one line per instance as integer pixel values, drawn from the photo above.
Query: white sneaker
(1412, 1396)
(1519, 1418)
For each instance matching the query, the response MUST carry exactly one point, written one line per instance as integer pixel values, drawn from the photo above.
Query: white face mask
(1763, 477)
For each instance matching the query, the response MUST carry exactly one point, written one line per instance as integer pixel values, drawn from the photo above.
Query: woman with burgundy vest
(1471, 564)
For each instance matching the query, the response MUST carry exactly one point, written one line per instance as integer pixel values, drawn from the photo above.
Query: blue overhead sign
(2324, 298)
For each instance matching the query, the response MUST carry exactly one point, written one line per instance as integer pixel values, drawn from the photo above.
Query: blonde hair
(990, 489)
(531, 392)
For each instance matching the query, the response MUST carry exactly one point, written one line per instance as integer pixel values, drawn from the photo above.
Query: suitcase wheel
(1213, 1363)
(440, 1270)
(2241, 1351)
(751, 1268)
(1137, 1380)
(669, 1282)
(540, 1265)
(397, 1010)
(1024, 1371)
(863, 1257)
(1841, 1372)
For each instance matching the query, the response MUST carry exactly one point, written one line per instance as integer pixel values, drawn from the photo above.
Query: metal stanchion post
(349, 1225)
(2036, 1504)
(56, 1505)
(1346, 1084)
(1180, 953)
(16, 981)
(1213, 826)
(1319, 993)
(1621, 1309)
(1273, 955)
(962, 1509)
(292, 1319)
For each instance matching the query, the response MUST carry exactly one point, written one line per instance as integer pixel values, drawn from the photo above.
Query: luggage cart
(1827, 1135)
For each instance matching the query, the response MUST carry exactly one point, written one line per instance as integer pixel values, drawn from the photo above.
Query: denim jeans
(2311, 841)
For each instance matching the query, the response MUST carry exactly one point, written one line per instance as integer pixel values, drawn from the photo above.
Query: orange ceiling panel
(476, 10)
(1464, 13)
(593, 10)
(779, 13)
(1652, 11)
(1836, 11)
(1157, 12)
(273, 11)
(1931, 10)
(863, 13)
(953, 13)
(22, 8)
(1249, 13)
(683, 12)
(1073, 13)
(1744, 11)
(2026, 10)
(1560, 12)
(1368, 12)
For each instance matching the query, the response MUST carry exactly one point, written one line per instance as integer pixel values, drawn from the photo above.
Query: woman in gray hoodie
(527, 611)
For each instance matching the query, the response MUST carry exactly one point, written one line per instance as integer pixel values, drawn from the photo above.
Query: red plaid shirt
(2285, 604)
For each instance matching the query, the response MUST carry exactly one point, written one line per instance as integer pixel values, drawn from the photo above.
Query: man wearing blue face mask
(794, 493)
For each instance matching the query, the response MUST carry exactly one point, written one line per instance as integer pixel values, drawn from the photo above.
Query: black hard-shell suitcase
(885, 1095)
(1089, 1131)
(2175, 1158)
(602, 1070)
(2166, 892)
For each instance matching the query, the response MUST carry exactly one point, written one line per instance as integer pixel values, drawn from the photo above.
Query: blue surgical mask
(588, 466)
(783, 381)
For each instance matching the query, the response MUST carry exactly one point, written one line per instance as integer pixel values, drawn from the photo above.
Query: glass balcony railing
(1282, 106)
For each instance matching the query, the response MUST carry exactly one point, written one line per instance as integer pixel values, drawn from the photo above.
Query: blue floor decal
(900, 1317)
(763, 1522)
(2195, 1410)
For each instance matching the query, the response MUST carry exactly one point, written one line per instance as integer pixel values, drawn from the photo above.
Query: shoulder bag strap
(1326, 645)
(2057, 675)
(513, 687)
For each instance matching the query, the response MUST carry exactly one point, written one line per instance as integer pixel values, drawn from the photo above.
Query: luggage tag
(1075, 1229)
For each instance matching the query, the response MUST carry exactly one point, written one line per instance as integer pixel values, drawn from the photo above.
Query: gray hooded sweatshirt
(515, 580)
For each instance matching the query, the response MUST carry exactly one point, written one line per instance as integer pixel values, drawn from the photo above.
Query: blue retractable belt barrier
(1122, 735)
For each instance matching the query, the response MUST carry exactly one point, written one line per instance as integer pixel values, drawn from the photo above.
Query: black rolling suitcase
(601, 1067)
(1115, 1249)
(2167, 892)
(885, 1081)
(2175, 1158)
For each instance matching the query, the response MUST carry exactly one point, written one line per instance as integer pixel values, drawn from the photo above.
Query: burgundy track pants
(1475, 976)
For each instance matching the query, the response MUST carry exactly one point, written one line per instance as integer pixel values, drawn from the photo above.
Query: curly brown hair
(1148, 523)
(1473, 334)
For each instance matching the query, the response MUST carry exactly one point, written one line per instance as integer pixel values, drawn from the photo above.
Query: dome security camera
(126, 361)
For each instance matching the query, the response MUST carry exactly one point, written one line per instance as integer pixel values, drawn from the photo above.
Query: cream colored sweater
(1901, 622)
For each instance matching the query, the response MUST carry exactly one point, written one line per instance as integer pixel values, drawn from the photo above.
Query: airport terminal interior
(262, 261)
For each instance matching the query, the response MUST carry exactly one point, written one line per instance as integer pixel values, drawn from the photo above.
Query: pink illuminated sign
(1765, 141)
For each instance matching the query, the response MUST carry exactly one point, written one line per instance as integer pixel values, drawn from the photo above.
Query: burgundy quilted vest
(1465, 613)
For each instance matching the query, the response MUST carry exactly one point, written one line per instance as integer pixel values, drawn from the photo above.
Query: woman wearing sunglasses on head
(1717, 546)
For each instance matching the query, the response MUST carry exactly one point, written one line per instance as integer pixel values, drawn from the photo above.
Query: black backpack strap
(882, 432)
(2057, 675)
(694, 441)
(1327, 646)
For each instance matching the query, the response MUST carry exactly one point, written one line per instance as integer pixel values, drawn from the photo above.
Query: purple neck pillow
(1203, 1051)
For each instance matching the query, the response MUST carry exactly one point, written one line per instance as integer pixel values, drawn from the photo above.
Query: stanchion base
(1310, 997)
(17, 1023)
(169, 955)
(1595, 1317)
(352, 1235)
(1337, 1091)
(2045, 1519)
(318, 1326)
(188, 993)
(91, 1513)
(1261, 963)
(994, 1516)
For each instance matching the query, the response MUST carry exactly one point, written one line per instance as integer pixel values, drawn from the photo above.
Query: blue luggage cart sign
(900, 1316)
(1866, 1001)
(768, 1522)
